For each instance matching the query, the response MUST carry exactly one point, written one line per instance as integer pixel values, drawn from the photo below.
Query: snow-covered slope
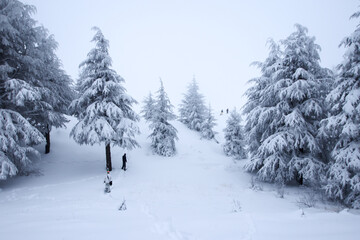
(198, 194)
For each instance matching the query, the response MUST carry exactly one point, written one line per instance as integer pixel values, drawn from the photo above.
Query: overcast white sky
(215, 40)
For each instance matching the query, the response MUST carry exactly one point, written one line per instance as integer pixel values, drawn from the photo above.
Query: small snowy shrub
(236, 206)
(280, 190)
(123, 206)
(308, 199)
(255, 184)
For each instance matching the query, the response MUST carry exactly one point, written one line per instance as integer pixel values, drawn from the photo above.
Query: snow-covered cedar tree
(28, 56)
(207, 125)
(56, 90)
(234, 136)
(163, 134)
(192, 109)
(290, 107)
(259, 103)
(103, 107)
(341, 130)
(148, 108)
(21, 87)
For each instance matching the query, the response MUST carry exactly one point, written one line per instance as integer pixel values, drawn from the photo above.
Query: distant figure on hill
(108, 182)
(222, 112)
(124, 161)
(227, 111)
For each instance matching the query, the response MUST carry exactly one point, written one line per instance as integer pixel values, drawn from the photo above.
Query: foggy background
(215, 41)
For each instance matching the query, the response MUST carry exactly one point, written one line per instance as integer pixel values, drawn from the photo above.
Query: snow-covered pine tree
(103, 106)
(148, 108)
(163, 134)
(192, 109)
(234, 136)
(260, 104)
(207, 126)
(28, 55)
(21, 86)
(289, 149)
(56, 90)
(341, 130)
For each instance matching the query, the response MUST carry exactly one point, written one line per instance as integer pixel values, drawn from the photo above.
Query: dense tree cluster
(300, 124)
(195, 115)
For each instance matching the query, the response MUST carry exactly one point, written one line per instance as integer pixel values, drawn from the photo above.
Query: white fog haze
(215, 41)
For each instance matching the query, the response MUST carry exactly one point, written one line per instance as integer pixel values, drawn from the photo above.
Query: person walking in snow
(124, 161)
(108, 182)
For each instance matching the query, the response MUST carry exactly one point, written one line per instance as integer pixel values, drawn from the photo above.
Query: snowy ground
(198, 194)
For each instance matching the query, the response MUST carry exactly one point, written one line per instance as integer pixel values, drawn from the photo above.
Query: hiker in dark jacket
(124, 160)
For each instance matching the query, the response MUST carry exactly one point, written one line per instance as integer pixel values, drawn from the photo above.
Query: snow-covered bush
(255, 184)
(236, 206)
(280, 189)
(308, 199)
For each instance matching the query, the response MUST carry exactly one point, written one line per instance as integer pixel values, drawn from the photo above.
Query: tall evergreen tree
(341, 130)
(28, 66)
(163, 134)
(148, 108)
(234, 136)
(103, 106)
(260, 104)
(207, 126)
(28, 55)
(56, 90)
(192, 109)
(289, 148)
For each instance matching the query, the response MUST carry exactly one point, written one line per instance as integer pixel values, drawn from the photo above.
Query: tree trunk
(300, 178)
(108, 157)
(47, 136)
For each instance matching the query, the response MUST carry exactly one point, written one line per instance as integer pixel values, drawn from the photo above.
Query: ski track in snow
(199, 194)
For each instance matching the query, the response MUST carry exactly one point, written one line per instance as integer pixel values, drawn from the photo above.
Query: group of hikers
(222, 111)
(108, 179)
